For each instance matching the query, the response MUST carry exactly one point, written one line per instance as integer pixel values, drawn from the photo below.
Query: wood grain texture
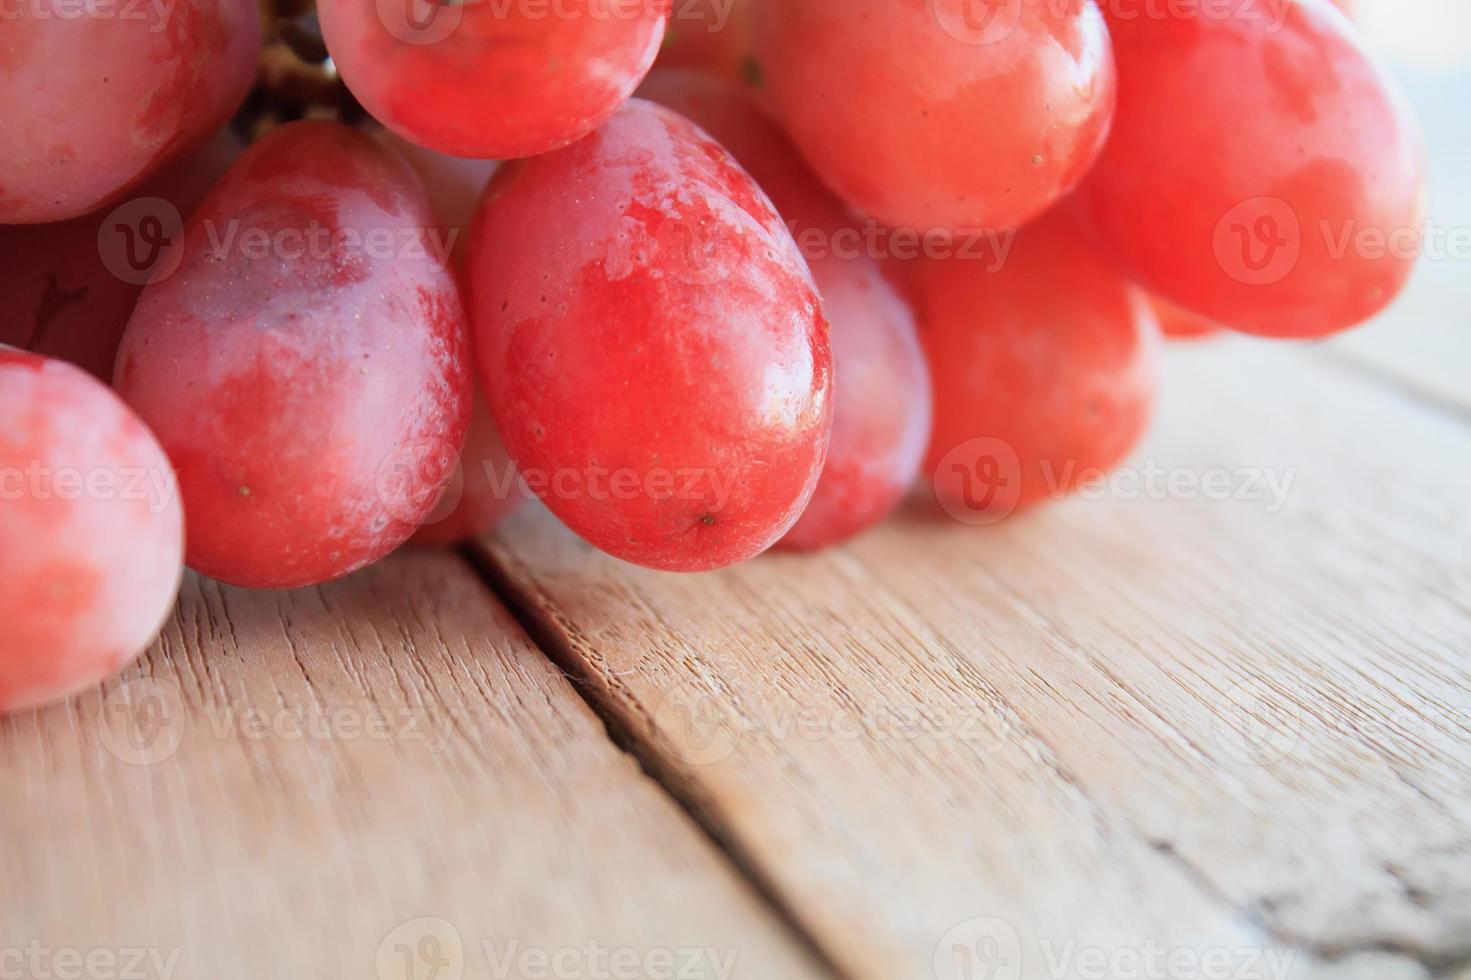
(1211, 726)
(305, 785)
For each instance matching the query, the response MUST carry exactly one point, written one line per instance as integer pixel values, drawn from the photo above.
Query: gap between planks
(682, 792)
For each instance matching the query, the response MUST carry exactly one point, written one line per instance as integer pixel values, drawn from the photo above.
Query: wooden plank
(318, 784)
(1214, 727)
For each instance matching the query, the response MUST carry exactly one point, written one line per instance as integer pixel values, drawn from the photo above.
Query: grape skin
(313, 397)
(1045, 353)
(882, 408)
(1241, 156)
(652, 344)
(137, 92)
(920, 125)
(504, 81)
(91, 566)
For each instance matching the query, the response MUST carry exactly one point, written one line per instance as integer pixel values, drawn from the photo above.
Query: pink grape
(493, 80)
(91, 534)
(90, 104)
(652, 344)
(881, 415)
(941, 115)
(1045, 365)
(306, 367)
(1268, 177)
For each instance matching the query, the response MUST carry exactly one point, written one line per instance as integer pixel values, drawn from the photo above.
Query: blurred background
(1427, 44)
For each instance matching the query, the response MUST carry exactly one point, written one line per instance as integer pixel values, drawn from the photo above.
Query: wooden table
(1219, 729)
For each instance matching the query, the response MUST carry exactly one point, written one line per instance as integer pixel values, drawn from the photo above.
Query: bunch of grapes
(286, 288)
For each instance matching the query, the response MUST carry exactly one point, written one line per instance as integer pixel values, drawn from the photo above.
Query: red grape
(306, 367)
(1044, 365)
(924, 117)
(881, 415)
(91, 104)
(883, 406)
(67, 289)
(1267, 177)
(652, 344)
(91, 535)
(503, 79)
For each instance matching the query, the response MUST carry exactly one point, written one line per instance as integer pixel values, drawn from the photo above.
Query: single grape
(67, 289)
(1044, 363)
(934, 116)
(1267, 177)
(306, 366)
(651, 342)
(881, 412)
(91, 534)
(91, 104)
(493, 80)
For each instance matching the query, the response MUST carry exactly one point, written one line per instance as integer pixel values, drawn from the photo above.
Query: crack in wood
(553, 639)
